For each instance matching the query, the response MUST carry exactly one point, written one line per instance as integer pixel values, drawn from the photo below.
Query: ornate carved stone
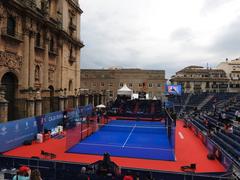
(38, 95)
(37, 73)
(45, 8)
(10, 60)
(52, 67)
(50, 76)
(51, 71)
(30, 3)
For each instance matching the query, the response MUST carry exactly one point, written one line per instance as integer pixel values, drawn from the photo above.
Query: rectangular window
(130, 84)
(150, 85)
(121, 84)
(102, 83)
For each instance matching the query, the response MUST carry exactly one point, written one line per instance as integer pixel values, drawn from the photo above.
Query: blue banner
(40, 123)
(14, 133)
(52, 120)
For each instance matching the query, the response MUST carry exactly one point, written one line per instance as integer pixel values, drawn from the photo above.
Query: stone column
(45, 65)
(104, 99)
(61, 103)
(38, 104)
(93, 100)
(3, 107)
(25, 65)
(86, 99)
(31, 105)
(97, 99)
(107, 96)
(100, 99)
(65, 102)
(59, 66)
(76, 101)
(32, 59)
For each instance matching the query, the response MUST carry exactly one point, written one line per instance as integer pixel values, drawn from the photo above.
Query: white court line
(137, 126)
(109, 145)
(181, 135)
(129, 136)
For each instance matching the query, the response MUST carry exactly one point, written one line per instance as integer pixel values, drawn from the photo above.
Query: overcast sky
(159, 34)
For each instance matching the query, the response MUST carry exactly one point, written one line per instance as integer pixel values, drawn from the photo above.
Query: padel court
(188, 149)
(129, 138)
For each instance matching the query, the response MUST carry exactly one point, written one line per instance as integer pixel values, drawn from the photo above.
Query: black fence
(58, 170)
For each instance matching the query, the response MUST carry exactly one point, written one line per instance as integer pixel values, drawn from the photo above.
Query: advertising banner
(14, 133)
(52, 120)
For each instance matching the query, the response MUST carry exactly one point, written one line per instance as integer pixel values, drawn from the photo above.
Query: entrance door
(10, 82)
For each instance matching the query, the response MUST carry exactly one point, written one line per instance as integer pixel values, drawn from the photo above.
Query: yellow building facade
(39, 55)
(101, 85)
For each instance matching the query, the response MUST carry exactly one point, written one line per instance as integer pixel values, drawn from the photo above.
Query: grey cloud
(114, 36)
(228, 41)
(182, 34)
(211, 5)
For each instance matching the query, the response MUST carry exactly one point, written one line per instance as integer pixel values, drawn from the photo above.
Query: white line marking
(137, 126)
(133, 147)
(129, 136)
(181, 135)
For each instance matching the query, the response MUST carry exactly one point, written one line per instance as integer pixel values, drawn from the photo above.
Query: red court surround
(189, 149)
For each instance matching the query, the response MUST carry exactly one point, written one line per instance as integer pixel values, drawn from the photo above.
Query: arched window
(70, 85)
(38, 40)
(37, 73)
(11, 24)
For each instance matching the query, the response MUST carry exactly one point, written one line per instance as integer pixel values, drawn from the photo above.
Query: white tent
(125, 91)
(101, 106)
(135, 96)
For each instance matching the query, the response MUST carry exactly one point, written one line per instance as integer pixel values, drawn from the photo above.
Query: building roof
(195, 69)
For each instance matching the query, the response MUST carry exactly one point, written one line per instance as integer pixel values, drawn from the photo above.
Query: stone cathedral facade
(39, 56)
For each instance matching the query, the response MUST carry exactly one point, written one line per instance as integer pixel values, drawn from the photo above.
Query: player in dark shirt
(105, 167)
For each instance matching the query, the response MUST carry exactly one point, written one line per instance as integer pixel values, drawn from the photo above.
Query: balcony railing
(52, 51)
(39, 47)
(16, 36)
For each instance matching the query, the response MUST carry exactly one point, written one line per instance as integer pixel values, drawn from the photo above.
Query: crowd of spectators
(221, 122)
(25, 173)
(102, 169)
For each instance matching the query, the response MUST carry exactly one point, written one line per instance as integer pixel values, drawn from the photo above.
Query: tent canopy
(101, 106)
(125, 91)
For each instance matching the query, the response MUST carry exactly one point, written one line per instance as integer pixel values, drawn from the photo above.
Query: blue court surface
(133, 139)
